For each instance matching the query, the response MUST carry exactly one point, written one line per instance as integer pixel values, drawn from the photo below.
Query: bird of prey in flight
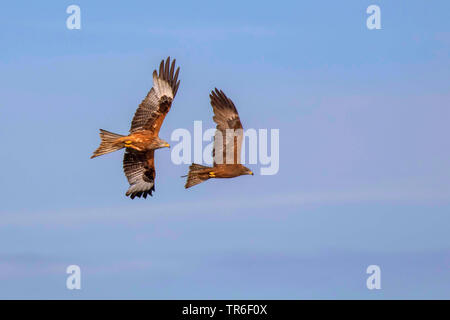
(227, 144)
(143, 140)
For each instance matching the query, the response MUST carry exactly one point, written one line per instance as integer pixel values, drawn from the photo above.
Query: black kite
(227, 144)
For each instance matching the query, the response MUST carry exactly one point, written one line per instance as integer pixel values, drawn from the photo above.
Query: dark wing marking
(139, 167)
(229, 131)
(151, 112)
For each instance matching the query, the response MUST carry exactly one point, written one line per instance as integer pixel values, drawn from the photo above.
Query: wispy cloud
(28, 265)
(294, 199)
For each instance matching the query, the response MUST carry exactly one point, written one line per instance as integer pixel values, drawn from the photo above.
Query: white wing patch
(162, 87)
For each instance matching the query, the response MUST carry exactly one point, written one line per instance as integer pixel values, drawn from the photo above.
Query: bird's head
(246, 170)
(160, 143)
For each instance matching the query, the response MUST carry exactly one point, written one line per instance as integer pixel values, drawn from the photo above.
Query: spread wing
(139, 167)
(153, 109)
(229, 131)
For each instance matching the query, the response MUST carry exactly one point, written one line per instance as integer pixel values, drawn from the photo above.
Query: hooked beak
(167, 145)
(251, 172)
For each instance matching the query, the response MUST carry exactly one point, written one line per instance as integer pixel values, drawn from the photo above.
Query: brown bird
(143, 140)
(227, 144)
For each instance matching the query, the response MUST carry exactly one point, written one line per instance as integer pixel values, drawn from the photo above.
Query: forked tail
(110, 142)
(197, 174)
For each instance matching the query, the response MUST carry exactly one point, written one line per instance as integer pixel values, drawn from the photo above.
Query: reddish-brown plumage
(140, 140)
(227, 144)
(138, 163)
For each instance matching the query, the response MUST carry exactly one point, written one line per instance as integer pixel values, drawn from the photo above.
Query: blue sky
(364, 152)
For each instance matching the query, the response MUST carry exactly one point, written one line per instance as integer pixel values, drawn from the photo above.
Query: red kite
(143, 140)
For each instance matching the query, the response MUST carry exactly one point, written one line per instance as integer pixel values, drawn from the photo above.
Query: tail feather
(197, 174)
(108, 144)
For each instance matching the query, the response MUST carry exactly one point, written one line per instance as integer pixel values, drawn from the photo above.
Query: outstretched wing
(139, 167)
(229, 131)
(153, 109)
